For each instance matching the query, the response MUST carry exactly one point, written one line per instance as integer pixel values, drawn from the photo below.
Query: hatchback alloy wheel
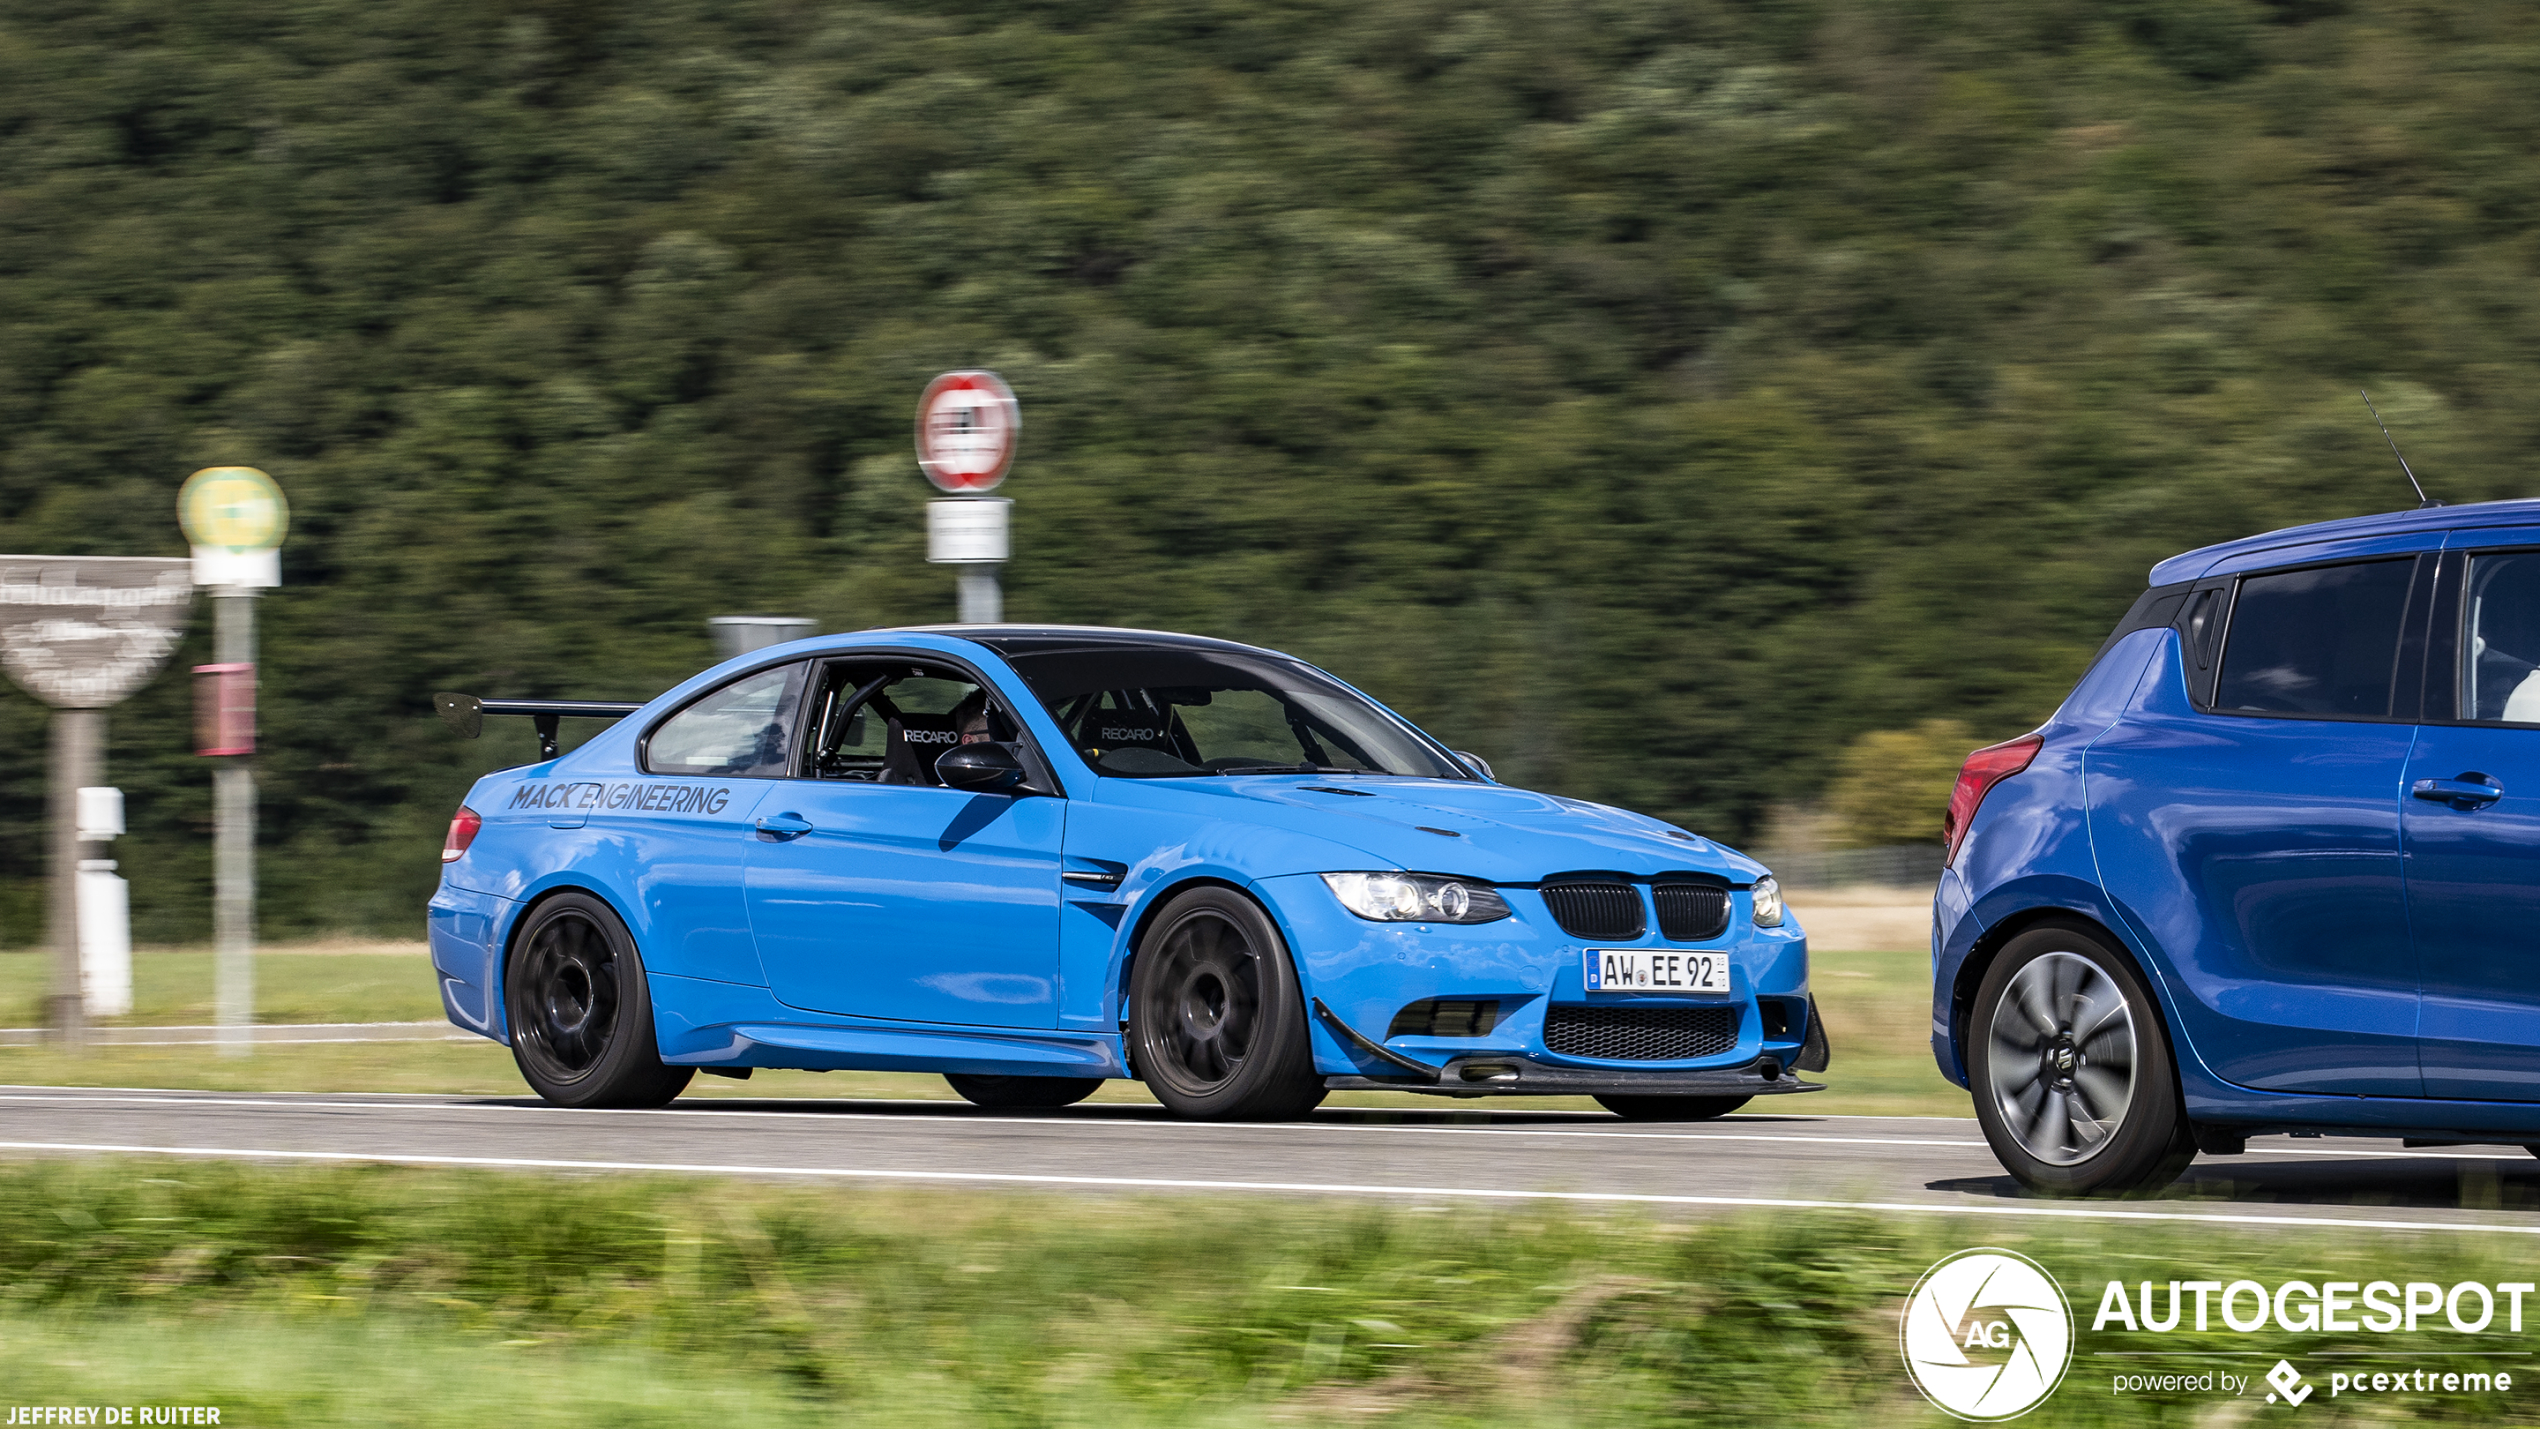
(2071, 1068)
(2062, 1069)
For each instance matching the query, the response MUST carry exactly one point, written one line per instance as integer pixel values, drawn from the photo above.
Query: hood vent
(1596, 909)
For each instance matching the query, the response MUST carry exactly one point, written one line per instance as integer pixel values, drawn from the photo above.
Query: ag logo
(1987, 1334)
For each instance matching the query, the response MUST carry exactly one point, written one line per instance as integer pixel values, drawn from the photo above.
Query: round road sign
(232, 508)
(966, 428)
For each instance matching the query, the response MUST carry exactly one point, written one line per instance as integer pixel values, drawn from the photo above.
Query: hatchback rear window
(2500, 671)
(2322, 641)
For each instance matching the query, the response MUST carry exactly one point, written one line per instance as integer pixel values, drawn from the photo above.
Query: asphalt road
(1460, 1152)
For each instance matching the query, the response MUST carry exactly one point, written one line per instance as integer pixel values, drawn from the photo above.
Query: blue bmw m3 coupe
(1031, 858)
(2274, 866)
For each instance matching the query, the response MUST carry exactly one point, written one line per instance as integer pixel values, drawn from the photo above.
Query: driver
(970, 718)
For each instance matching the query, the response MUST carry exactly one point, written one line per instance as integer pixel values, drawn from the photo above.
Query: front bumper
(1499, 1075)
(1358, 975)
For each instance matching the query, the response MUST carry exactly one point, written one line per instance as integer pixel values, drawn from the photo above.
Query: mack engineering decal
(635, 798)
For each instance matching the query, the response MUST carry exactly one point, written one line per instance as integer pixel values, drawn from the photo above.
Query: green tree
(1892, 785)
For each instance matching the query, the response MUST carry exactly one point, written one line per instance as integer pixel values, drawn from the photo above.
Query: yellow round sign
(233, 508)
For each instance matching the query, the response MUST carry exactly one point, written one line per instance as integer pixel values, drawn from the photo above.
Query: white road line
(533, 1163)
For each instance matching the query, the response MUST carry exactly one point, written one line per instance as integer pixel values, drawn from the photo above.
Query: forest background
(1656, 398)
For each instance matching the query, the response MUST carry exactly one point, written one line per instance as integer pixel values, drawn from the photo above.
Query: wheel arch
(498, 996)
(1156, 903)
(1988, 947)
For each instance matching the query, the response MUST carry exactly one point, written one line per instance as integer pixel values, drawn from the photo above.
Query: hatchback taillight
(463, 827)
(1984, 769)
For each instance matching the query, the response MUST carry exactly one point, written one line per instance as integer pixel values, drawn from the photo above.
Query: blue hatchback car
(2273, 866)
(1031, 858)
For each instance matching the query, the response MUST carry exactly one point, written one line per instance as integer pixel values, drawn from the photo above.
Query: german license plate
(1650, 970)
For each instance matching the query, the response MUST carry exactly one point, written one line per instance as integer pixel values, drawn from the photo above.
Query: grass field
(334, 980)
(382, 1296)
(1876, 1008)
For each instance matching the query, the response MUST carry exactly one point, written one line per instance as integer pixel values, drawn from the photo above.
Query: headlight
(1417, 898)
(1768, 902)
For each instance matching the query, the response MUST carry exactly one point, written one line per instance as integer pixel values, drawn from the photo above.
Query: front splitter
(1508, 1077)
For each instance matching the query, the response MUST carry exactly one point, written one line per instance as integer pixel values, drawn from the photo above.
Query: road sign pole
(234, 844)
(982, 603)
(77, 735)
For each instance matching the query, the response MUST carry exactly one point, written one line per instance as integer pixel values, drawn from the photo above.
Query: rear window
(2500, 668)
(2323, 641)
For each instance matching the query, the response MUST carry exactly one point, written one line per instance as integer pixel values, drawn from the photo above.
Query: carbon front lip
(1489, 1076)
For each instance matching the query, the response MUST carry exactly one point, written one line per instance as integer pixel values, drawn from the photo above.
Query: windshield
(1160, 713)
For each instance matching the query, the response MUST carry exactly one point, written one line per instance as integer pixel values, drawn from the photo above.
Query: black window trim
(644, 746)
(1040, 779)
(2412, 612)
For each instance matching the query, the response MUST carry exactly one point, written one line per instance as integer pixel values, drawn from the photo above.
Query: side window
(2322, 641)
(888, 722)
(2500, 659)
(744, 728)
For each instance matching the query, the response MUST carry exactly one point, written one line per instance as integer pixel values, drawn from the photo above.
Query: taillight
(1984, 769)
(463, 827)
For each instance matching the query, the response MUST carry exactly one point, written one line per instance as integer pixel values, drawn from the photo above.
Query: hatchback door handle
(776, 828)
(2461, 793)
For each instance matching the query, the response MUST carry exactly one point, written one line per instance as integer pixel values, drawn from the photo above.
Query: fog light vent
(1445, 1017)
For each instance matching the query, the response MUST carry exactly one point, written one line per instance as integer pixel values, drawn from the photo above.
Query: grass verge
(334, 981)
(376, 1295)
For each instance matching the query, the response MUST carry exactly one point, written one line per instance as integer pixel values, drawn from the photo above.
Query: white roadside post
(105, 910)
(967, 426)
(235, 516)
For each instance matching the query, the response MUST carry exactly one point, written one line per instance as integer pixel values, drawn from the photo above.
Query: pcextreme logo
(1987, 1334)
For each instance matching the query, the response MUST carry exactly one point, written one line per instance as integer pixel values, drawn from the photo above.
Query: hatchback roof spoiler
(466, 714)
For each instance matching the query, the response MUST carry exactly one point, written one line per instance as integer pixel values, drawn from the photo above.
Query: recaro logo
(1987, 1335)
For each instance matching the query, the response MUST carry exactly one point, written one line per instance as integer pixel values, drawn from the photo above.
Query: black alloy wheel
(581, 1014)
(2071, 1071)
(1022, 1093)
(1215, 1017)
(1644, 1108)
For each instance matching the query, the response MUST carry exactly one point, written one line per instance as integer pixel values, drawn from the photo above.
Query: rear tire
(2071, 1070)
(581, 1010)
(1020, 1093)
(1216, 1020)
(1632, 1108)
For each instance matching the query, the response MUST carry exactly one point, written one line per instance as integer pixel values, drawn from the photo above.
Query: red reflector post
(224, 709)
(463, 827)
(1984, 769)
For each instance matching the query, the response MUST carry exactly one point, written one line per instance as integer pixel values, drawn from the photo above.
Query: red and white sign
(967, 424)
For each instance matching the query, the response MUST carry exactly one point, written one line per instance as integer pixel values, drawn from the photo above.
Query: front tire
(582, 1012)
(1636, 1108)
(1216, 1020)
(2071, 1070)
(1022, 1093)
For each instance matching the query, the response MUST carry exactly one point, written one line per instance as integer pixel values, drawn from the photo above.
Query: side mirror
(979, 768)
(1479, 765)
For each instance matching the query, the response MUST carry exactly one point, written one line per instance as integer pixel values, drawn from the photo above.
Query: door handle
(2469, 791)
(777, 828)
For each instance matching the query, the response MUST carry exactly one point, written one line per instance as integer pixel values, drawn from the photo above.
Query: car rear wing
(466, 714)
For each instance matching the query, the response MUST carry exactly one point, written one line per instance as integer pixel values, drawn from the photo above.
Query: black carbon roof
(1011, 640)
